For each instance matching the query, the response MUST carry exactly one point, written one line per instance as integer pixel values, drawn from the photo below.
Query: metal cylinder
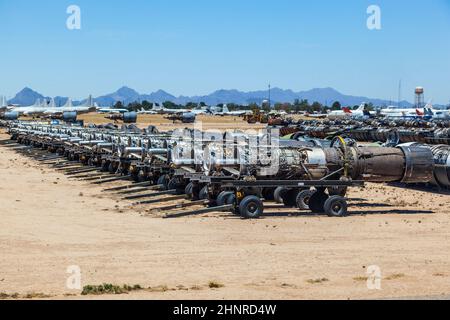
(419, 164)
(129, 150)
(441, 158)
(69, 116)
(373, 164)
(90, 143)
(130, 117)
(104, 145)
(11, 116)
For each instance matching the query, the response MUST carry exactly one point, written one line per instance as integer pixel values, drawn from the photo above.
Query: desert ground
(50, 222)
(207, 122)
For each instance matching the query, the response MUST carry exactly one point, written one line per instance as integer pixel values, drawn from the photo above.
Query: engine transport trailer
(317, 179)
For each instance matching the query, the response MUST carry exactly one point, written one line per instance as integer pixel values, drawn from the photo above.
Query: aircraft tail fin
(362, 107)
(429, 105)
(90, 101)
(419, 113)
(225, 109)
(347, 110)
(3, 102)
(68, 103)
(157, 107)
(52, 103)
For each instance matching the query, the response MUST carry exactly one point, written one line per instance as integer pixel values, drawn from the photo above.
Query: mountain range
(127, 95)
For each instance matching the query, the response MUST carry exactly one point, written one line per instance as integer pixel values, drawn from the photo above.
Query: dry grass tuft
(317, 281)
(361, 279)
(215, 285)
(108, 288)
(395, 276)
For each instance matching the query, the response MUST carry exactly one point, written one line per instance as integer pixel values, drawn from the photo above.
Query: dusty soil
(50, 222)
(208, 122)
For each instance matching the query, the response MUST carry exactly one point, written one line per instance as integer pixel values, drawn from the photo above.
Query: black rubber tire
(164, 181)
(336, 206)
(188, 190)
(303, 199)
(278, 194)
(251, 207)
(268, 194)
(204, 193)
(225, 198)
(317, 202)
(105, 166)
(172, 184)
(135, 177)
(290, 198)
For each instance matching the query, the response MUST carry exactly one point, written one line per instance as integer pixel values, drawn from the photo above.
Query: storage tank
(130, 117)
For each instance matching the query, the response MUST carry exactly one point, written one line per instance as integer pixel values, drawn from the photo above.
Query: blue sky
(194, 47)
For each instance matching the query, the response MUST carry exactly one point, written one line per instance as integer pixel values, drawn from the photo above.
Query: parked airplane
(35, 109)
(393, 112)
(162, 110)
(42, 107)
(441, 115)
(238, 113)
(89, 106)
(348, 113)
(316, 115)
(200, 111)
(147, 112)
(112, 110)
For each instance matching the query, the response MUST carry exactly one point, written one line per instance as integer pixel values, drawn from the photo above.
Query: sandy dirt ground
(208, 122)
(49, 222)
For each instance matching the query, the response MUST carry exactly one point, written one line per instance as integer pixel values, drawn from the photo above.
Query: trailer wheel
(172, 184)
(336, 206)
(189, 190)
(204, 193)
(317, 202)
(225, 198)
(135, 177)
(111, 168)
(268, 194)
(105, 166)
(251, 207)
(290, 198)
(278, 194)
(164, 181)
(303, 199)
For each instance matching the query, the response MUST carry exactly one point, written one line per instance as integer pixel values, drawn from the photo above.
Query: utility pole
(270, 102)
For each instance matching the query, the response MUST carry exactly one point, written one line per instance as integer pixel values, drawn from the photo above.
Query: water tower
(420, 99)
